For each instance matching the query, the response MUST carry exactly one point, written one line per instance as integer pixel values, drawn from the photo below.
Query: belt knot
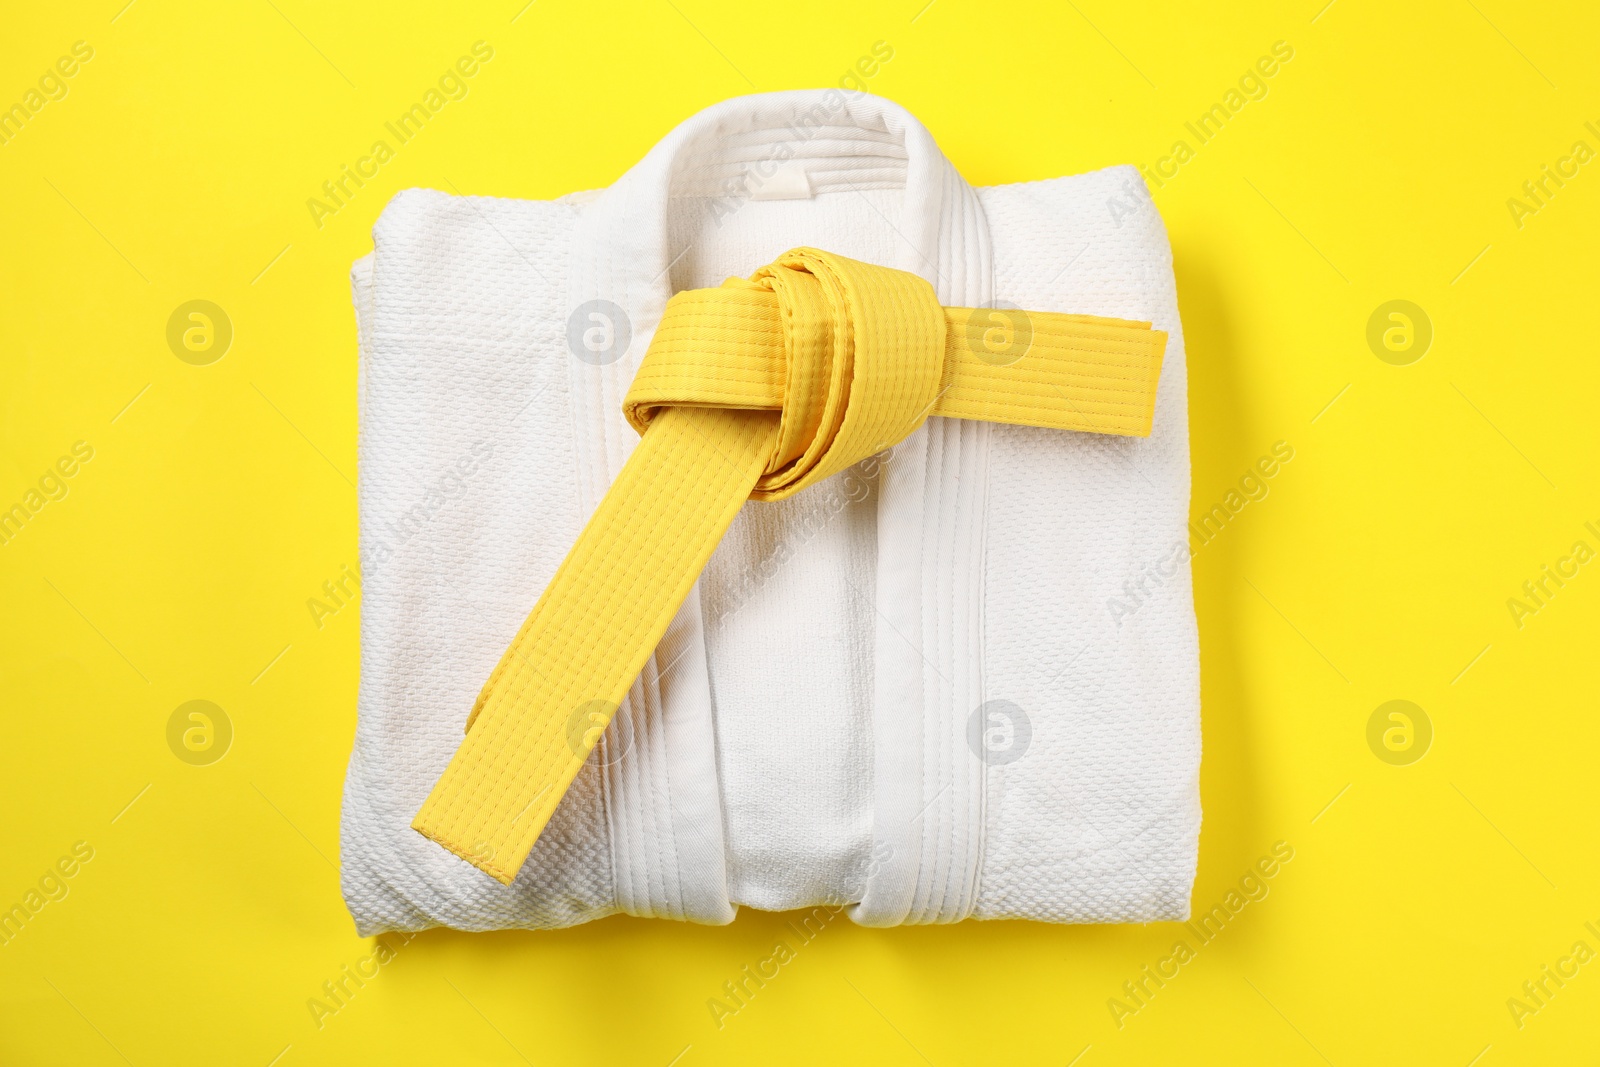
(849, 357)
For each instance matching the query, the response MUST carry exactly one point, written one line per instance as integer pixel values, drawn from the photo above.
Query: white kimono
(960, 680)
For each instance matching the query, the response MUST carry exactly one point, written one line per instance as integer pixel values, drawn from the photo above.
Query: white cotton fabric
(828, 718)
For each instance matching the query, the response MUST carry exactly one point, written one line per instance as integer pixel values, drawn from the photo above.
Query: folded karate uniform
(957, 680)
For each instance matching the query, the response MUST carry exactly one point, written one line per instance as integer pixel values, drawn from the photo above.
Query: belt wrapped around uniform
(752, 391)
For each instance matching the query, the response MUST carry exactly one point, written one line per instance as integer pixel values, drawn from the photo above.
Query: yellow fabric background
(179, 563)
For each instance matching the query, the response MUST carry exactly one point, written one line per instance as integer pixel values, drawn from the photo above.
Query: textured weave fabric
(963, 729)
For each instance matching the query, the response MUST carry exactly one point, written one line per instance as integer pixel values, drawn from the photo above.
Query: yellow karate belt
(754, 390)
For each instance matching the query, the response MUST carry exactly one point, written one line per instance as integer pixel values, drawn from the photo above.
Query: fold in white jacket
(960, 680)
